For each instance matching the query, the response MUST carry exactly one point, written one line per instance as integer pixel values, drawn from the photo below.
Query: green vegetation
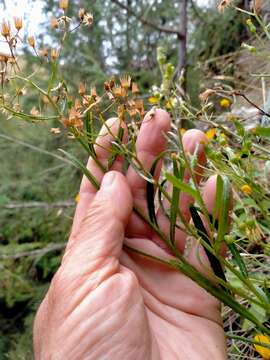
(58, 99)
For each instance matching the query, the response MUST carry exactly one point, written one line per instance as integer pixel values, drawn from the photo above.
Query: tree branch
(147, 22)
(37, 252)
(38, 204)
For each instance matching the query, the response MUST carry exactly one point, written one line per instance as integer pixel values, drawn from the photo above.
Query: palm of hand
(114, 304)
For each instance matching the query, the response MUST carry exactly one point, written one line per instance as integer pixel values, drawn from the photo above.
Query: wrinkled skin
(106, 303)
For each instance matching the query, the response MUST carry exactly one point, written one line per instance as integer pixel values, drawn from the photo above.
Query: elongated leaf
(263, 131)
(238, 259)
(150, 194)
(82, 167)
(182, 186)
(178, 173)
(222, 208)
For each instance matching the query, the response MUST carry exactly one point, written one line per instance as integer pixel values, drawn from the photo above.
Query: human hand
(105, 303)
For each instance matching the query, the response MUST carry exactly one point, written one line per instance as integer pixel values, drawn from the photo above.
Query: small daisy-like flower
(225, 103)
(246, 189)
(153, 100)
(88, 19)
(263, 351)
(211, 133)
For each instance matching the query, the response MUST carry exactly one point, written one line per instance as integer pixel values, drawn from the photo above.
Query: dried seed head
(93, 93)
(125, 81)
(63, 4)
(54, 54)
(5, 29)
(88, 19)
(54, 23)
(81, 13)
(82, 89)
(34, 111)
(224, 4)
(31, 41)
(44, 52)
(135, 88)
(18, 23)
(77, 104)
(106, 86)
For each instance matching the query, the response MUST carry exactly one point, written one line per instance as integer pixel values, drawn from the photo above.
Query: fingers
(98, 243)
(150, 143)
(103, 146)
(193, 142)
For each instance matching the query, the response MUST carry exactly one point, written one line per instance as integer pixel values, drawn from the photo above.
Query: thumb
(98, 243)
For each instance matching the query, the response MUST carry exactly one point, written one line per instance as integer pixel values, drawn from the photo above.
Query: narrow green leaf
(263, 131)
(222, 208)
(182, 186)
(178, 173)
(238, 259)
(150, 194)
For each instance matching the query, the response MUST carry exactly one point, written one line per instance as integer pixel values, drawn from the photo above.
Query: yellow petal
(211, 133)
(225, 103)
(263, 351)
(153, 100)
(246, 189)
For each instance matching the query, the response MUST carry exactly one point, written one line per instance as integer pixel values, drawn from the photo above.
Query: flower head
(125, 81)
(246, 189)
(18, 23)
(5, 29)
(225, 103)
(31, 41)
(88, 19)
(263, 351)
(211, 133)
(54, 54)
(63, 4)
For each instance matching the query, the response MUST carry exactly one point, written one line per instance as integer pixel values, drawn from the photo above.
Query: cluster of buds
(6, 28)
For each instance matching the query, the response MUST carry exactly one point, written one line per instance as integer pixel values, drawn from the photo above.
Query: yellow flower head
(153, 100)
(77, 198)
(246, 189)
(263, 351)
(182, 131)
(225, 103)
(211, 133)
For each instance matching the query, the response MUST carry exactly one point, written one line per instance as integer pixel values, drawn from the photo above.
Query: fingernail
(108, 178)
